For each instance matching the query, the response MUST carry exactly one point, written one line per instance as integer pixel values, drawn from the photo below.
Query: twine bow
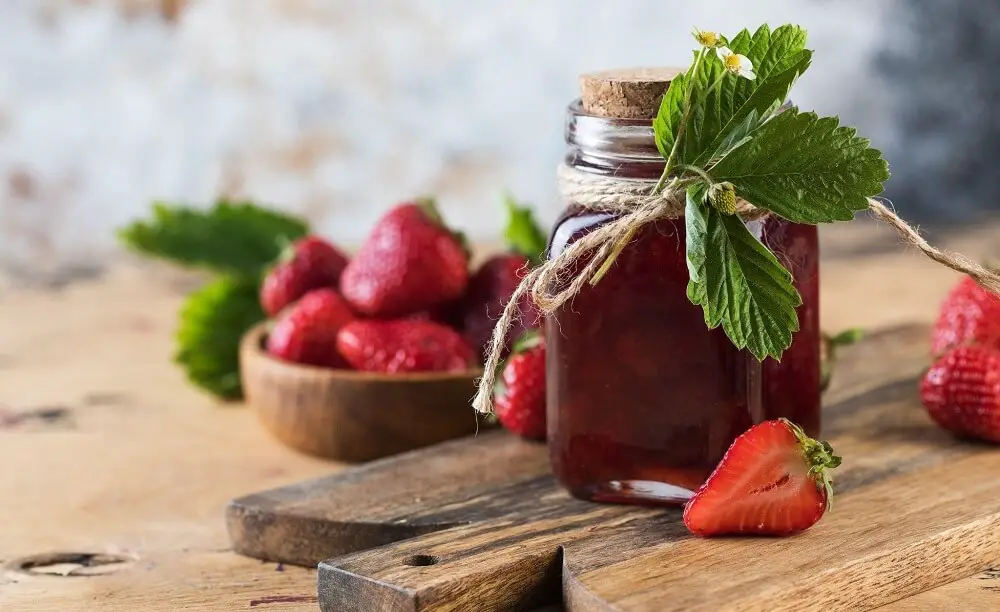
(551, 284)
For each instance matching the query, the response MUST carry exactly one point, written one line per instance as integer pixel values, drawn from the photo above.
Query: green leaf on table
(778, 57)
(239, 239)
(805, 168)
(523, 234)
(212, 321)
(737, 281)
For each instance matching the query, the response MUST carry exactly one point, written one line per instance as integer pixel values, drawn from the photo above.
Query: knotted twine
(630, 201)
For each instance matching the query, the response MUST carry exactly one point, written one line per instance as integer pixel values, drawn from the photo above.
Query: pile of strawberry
(408, 302)
(961, 391)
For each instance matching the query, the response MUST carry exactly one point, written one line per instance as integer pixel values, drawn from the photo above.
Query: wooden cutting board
(480, 524)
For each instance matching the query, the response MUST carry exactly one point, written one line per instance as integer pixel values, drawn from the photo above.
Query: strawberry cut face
(770, 482)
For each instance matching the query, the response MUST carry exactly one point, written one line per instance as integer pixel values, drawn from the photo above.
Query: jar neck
(611, 146)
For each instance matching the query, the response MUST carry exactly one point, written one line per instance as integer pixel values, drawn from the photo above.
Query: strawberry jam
(791, 387)
(643, 399)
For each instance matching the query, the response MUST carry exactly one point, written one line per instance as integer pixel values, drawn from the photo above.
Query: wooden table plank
(141, 463)
(975, 593)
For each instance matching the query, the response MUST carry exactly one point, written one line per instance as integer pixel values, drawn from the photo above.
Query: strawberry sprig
(726, 136)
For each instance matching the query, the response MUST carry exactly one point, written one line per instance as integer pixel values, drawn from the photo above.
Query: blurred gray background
(336, 109)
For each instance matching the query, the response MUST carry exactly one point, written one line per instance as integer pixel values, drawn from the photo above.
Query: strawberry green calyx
(820, 458)
(287, 253)
(529, 340)
(429, 207)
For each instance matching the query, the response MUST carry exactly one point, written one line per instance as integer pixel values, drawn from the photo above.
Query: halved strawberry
(771, 481)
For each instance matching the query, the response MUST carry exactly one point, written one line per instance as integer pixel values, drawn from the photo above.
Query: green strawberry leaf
(740, 135)
(719, 115)
(668, 118)
(239, 239)
(523, 234)
(212, 321)
(737, 281)
(805, 168)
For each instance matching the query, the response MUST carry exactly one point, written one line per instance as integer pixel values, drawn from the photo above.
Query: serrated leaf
(739, 136)
(212, 321)
(522, 233)
(779, 58)
(668, 118)
(737, 281)
(805, 168)
(239, 239)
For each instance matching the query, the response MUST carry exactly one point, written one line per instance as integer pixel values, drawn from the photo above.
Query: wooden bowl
(354, 416)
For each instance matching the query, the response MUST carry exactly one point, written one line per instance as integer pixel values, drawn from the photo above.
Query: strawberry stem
(828, 352)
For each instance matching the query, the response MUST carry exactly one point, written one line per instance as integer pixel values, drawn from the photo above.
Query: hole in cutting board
(70, 564)
(420, 560)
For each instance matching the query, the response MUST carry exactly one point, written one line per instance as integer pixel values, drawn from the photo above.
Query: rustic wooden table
(109, 452)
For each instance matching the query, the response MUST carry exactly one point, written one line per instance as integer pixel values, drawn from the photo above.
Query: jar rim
(609, 137)
(607, 144)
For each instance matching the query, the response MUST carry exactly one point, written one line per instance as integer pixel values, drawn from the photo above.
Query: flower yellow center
(709, 39)
(732, 63)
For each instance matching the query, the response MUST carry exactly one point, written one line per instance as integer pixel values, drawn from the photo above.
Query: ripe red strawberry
(409, 262)
(961, 392)
(403, 346)
(496, 279)
(969, 314)
(520, 394)
(308, 263)
(489, 291)
(307, 331)
(771, 481)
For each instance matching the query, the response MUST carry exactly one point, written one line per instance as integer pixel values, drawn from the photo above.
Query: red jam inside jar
(643, 399)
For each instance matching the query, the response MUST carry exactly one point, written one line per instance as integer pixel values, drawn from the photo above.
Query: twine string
(554, 283)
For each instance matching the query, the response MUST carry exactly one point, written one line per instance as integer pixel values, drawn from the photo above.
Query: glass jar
(643, 399)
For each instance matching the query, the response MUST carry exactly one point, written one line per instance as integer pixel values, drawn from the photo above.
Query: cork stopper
(627, 93)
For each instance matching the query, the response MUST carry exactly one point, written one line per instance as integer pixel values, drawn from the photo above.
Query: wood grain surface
(106, 448)
(489, 529)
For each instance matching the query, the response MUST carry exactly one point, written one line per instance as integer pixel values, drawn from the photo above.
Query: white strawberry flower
(736, 63)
